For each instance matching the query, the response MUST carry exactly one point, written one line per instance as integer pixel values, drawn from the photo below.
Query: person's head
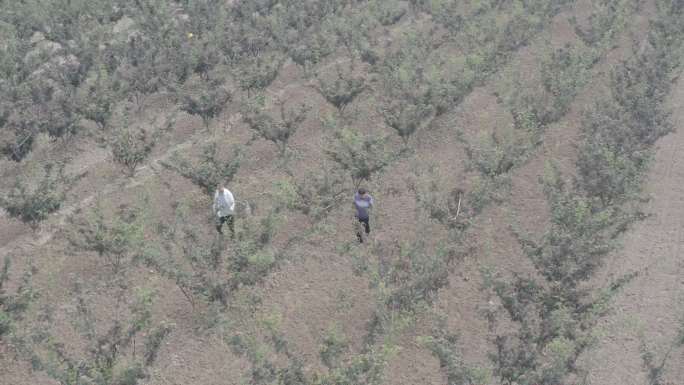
(220, 187)
(362, 191)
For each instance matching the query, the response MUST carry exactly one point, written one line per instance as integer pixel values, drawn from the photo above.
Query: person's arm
(231, 201)
(370, 202)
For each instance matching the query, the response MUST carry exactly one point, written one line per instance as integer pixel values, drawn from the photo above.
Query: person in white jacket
(224, 208)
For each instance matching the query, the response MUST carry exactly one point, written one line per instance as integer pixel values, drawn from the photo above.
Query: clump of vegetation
(273, 360)
(117, 239)
(131, 145)
(110, 355)
(31, 200)
(316, 194)
(13, 306)
(606, 20)
(211, 169)
(494, 155)
(555, 310)
(208, 102)
(278, 131)
(444, 345)
(361, 156)
(387, 12)
(342, 90)
(333, 347)
(98, 97)
(258, 72)
(440, 202)
(206, 270)
(563, 72)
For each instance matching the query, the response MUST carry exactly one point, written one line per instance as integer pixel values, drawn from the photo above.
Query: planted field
(522, 157)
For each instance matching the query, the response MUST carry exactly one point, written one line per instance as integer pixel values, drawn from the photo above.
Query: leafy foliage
(32, 201)
(277, 131)
(13, 306)
(444, 346)
(342, 90)
(211, 170)
(208, 102)
(205, 270)
(130, 146)
(555, 311)
(258, 72)
(109, 355)
(359, 155)
(118, 241)
(316, 194)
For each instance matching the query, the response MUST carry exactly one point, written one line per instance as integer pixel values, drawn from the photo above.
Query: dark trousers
(231, 224)
(366, 225)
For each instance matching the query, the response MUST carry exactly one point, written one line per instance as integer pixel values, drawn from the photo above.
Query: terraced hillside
(523, 157)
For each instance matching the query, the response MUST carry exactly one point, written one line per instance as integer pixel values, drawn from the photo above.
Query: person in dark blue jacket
(363, 203)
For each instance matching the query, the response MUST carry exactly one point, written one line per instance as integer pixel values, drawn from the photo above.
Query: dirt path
(652, 305)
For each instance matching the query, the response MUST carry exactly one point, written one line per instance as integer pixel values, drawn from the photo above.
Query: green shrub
(278, 131)
(13, 306)
(366, 368)
(206, 270)
(33, 200)
(108, 356)
(333, 347)
(97, 98)
(606, 21)
(258, 72)
(415, 277)
(387, 12)
(440, 202)
(208, 102)
(118, 241)
(341, 91)
(352, 29)
(131, 145)
(444, 346)
(406, 116)
(359, 155)
(211, 170)
(563, 72)
(314, 195)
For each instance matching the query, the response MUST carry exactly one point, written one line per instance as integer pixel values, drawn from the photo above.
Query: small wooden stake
(458, 208)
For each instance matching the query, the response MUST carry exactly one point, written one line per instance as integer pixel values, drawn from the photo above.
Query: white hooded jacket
(224, 204)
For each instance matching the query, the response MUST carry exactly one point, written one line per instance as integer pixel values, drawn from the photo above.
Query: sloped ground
(647, 313)
(318, 289)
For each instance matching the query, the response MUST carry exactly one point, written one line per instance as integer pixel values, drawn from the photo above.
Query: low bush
(13, 306)
(359, 155)
(109, 356)
(387, 12)
(314, 195)
(33, 198)
(440, 202)
(278, 131)
(207, 270)
(563, 72)
(343, 89)
(444, 346)
(117, 239)
(607, 19)
(255, 73)
(333, 347)
(97, 98)
(207, 102)
(211, 169)
(131, 145)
